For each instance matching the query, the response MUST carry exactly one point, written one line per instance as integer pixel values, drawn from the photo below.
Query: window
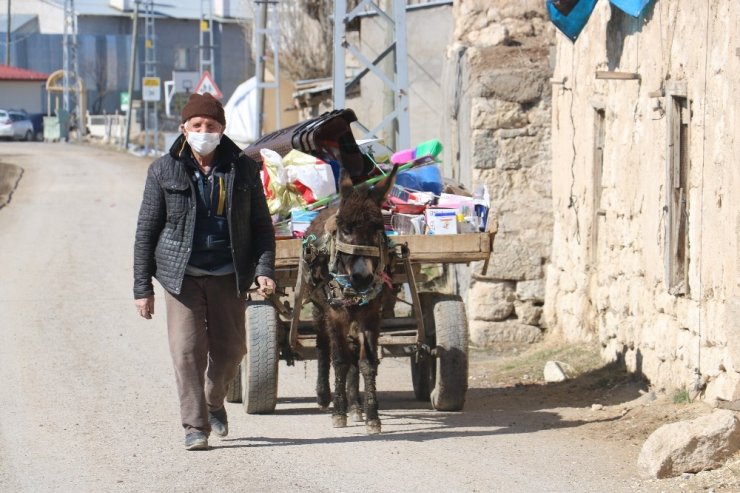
(677, 168)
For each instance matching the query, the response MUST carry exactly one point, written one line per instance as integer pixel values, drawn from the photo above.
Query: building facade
(104, 31)
(646, 238)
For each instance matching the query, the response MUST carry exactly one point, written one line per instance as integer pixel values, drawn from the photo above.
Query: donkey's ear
(380, 190)
(345, 183)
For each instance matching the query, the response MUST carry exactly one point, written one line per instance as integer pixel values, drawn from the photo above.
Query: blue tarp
(572, 23)
(631, 7)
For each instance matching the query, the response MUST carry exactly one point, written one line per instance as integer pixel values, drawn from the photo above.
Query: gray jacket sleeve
(152, 216)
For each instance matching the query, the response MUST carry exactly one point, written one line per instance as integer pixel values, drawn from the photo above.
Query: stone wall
(607, 279)
(499, 106)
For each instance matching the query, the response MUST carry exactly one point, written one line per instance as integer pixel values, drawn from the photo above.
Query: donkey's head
(360, 230)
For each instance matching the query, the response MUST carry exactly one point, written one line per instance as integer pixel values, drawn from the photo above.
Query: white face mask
(203, 143)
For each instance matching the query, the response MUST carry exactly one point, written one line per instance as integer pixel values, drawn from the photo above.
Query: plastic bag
(281, 196)
(312, 178)
(572, 23)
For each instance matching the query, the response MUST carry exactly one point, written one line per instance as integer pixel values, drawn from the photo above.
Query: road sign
(150, 89)
(124, 101)
(207, 84)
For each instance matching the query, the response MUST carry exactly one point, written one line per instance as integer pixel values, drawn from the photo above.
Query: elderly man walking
(205, 233)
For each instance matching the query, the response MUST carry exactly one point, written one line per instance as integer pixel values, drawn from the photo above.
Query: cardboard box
(441, 221)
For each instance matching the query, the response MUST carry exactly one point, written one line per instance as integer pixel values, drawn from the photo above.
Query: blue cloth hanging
(570, 16)
(631, 7)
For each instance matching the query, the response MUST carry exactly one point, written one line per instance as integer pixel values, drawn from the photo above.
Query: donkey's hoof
(356, 415)
(339, 421)
(372, 427)
(323, 408)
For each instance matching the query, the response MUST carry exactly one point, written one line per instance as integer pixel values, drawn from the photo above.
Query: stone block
(527, 312)
(483, 334)
(492, 114)
(521, 86)
(491, 300)
(531, 290)
(514, 261)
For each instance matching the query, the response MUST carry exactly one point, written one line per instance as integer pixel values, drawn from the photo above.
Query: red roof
(14, 73)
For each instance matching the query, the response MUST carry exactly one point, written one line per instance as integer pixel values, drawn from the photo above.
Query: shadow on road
(488, 411)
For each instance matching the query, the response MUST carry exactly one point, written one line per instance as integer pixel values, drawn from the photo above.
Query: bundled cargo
(300, 168)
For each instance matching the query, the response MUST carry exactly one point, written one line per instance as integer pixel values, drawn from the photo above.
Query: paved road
(87, 397)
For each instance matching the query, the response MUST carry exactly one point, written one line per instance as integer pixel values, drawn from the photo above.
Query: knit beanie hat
(203, 105)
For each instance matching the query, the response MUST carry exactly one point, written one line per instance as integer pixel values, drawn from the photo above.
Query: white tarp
(240, 113)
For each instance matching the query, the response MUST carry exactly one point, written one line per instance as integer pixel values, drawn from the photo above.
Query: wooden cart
(433, 335)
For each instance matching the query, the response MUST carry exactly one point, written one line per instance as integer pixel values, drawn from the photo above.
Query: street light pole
(131, 70)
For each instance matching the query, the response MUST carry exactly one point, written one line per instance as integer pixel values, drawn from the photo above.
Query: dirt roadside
(611, 405)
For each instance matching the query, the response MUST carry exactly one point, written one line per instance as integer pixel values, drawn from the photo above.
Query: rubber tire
(259, 368)
(449, 324)
(234, 391)
(29, 136)
(423, 373)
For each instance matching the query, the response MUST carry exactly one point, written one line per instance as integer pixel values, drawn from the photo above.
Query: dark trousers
(205, 326)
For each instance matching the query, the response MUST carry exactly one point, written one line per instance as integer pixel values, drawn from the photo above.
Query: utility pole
(131, 73)
(7, 39)
(206, 38)
(260, 31)
(71, 68)
(267, 32)
(150, 71)
(397, 82)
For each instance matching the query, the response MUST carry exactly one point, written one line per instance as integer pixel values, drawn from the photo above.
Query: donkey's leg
(369, 373)
(369, 368)
(353, 390)
(339, 413)
(340, 361)
(323, 354)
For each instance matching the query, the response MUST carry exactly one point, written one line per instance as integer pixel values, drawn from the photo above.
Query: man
(205, 233)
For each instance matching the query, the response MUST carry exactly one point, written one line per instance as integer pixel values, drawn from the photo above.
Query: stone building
(646, 238)
(498, 115)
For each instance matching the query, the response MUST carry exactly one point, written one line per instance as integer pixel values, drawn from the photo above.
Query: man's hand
(265, 286)
(145, 307)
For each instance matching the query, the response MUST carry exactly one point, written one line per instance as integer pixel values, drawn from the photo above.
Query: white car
(15, 125)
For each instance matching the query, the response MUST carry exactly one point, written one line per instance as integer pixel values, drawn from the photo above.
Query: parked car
(15, 125)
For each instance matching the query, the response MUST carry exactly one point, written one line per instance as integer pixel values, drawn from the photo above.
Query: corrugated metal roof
(14, 73)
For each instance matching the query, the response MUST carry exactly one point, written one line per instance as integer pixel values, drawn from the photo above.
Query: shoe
(219, 422)
(196, 440)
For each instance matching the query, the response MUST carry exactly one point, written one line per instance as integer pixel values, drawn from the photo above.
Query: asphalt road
(87, 395)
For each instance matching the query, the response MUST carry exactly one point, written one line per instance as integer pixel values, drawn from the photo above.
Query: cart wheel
(446, 320)
(259, 368)
(234, 391)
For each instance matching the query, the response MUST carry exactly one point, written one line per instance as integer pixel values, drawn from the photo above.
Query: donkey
(346, 268)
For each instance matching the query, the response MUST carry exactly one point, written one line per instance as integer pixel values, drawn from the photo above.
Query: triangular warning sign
(207, 84)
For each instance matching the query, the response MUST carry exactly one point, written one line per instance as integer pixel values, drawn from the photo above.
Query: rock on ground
(690, 446)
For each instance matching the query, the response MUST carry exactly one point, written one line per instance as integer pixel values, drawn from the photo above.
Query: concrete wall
(22, 95)
(497, 118)
(607, 278)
